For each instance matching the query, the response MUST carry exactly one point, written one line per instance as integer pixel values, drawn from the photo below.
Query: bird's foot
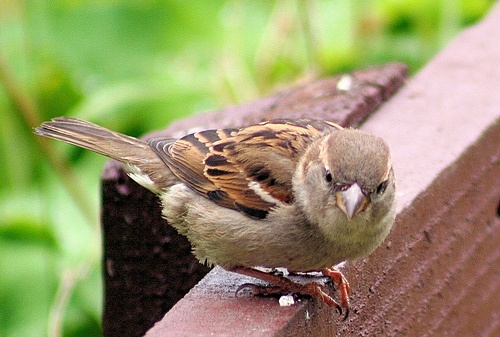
(283, 285)
(342, 285)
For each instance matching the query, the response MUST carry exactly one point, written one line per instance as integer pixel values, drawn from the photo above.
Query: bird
(301, 194)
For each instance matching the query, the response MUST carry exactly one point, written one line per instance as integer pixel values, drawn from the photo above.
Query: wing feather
(248, 169)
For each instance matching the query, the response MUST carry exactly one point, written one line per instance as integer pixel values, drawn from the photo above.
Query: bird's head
(345, 176)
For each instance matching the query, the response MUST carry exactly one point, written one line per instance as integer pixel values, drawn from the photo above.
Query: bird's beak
(352, 201)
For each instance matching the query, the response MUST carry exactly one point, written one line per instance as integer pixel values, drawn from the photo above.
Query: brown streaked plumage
(300, 194)
(220, 164)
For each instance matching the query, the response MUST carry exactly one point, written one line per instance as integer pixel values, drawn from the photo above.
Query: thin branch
(69, 279)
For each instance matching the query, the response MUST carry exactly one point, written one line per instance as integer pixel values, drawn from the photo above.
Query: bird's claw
(316, 291)
(342, 285)
(260, 290)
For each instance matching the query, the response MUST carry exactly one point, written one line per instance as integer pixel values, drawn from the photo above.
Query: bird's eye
(328, 176)
(382, 186)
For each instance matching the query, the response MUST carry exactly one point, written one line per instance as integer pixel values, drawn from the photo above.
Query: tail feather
(93, 137)
(128, 150)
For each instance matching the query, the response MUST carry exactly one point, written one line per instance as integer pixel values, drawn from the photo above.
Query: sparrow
(304, 195)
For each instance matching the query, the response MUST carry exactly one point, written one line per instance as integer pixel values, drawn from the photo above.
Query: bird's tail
(134, 152)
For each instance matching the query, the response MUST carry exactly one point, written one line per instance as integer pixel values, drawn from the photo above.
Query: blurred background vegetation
(134, 66)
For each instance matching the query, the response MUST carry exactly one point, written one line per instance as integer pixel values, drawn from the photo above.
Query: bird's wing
(248, 169)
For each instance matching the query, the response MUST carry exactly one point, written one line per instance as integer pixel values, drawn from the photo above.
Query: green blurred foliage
(135, 66)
